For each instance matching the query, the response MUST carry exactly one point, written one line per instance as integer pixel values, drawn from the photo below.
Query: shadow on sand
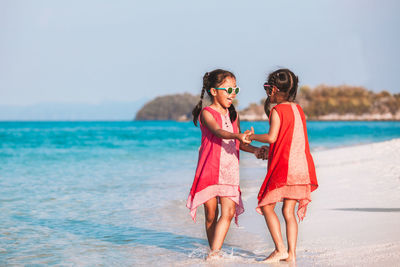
(125, 235)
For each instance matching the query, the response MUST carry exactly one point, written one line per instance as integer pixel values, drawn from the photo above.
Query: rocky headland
(327, 103)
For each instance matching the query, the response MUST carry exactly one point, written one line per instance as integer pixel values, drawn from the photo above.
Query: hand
(249, 133)
(261, 152)
(243, 138)
(258, 152)
(264, 152)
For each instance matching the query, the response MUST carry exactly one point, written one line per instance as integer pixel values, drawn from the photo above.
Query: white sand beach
(353, 220)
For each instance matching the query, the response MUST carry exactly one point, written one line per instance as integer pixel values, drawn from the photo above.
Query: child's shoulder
(283, 106)
(286, 108)
(211, 111)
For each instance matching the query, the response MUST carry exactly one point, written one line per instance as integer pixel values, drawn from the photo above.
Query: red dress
(217, 173)
(291, 170)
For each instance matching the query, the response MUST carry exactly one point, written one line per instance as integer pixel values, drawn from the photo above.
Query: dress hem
(301, 193)
(231, 191)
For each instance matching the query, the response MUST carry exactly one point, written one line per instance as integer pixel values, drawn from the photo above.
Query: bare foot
(276, 256)
(289, 259)
(213, 255)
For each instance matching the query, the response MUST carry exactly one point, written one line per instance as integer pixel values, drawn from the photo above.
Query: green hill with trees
(170, 107)
(325, 100)
(321, 103)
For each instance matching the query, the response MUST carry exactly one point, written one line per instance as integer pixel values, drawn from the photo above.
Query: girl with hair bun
(291, 173)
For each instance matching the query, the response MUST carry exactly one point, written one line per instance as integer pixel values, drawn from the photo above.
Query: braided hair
(286, 81)
(212, 80)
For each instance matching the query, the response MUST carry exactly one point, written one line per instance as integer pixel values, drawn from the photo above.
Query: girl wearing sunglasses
(216, 179)
(291, 173)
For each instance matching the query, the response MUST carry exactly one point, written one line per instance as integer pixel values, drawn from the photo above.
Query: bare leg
(222, 227)
(291, 227)
(275, 229)
(211, 214)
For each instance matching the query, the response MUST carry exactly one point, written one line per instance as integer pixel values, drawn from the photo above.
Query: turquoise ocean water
(114, 193)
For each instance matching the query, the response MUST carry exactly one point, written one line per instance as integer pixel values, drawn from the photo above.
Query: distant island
(320, 103)
(170, 107)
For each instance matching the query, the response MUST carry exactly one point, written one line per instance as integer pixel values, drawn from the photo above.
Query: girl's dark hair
(212, 80)
(286, 81)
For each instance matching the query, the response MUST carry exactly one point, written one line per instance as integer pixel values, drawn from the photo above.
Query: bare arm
(271, 136)
(246, 147)
(208, 120)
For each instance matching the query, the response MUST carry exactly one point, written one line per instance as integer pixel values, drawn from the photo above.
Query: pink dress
(291, 170)
(217, 173)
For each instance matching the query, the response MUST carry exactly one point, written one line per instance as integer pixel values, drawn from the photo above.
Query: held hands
(259, 152)
(245, 137)
(262, 152)
(249, 133)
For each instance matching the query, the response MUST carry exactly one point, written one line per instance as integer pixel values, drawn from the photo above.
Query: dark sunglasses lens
(230, 90)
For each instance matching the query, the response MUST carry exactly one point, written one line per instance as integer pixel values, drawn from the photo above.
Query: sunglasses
(268, 88)
(230, 90)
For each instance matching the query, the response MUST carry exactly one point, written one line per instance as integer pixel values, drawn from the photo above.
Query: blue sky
(126, 51)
